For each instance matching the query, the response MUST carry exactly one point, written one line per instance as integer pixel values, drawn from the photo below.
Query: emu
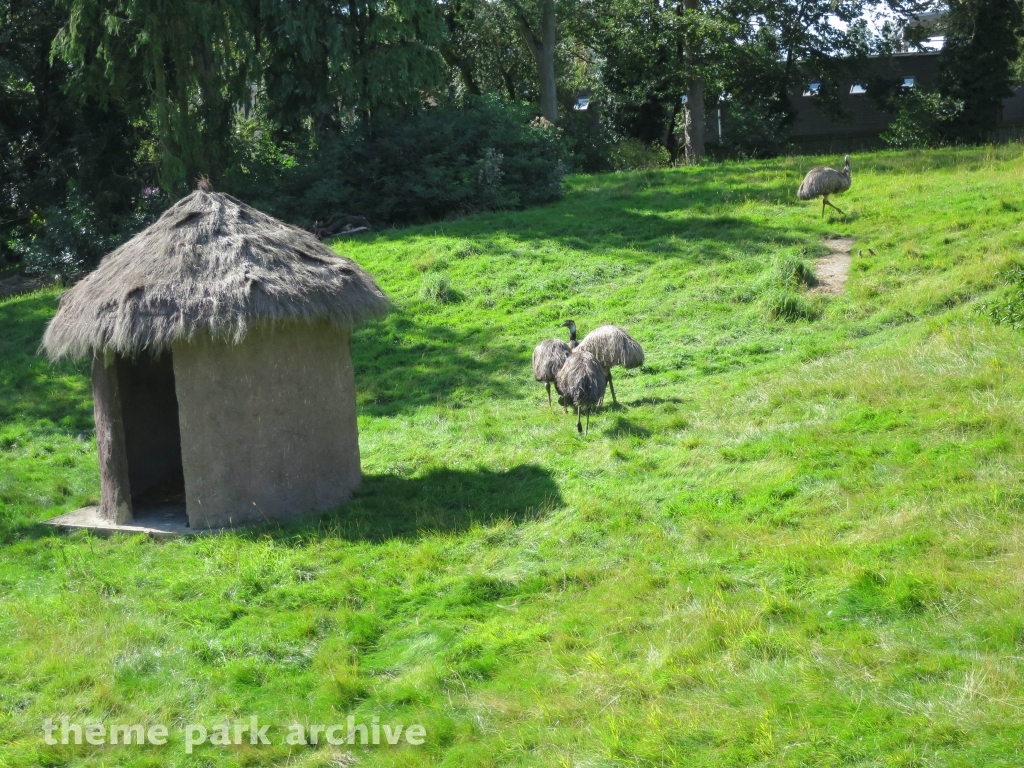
(581, 384)
(612, 346)
(824, 181)
(571, 325)
(548, 358)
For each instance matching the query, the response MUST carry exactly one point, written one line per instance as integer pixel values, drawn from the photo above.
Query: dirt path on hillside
(833, 270)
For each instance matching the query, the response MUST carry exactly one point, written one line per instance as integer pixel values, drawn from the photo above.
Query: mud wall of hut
(268, 426)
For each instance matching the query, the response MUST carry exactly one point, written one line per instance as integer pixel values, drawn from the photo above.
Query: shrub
(754, 128)
(441, 162)
(634, 155)
(587, 139)
(68, 240)
(923, 119)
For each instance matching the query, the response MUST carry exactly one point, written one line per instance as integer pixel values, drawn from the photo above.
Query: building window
(582, 103)
(908, 81)
(812, 89)
(858, 89)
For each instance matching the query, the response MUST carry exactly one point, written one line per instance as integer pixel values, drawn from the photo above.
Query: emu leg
(579, 427)
(833, 205)
(612, 385)
(548, 385)
(824, 202)
(587, 432)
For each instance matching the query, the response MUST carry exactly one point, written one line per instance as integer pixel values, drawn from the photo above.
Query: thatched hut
(221, 365)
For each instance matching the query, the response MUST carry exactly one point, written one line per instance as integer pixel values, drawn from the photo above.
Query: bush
(634, 155)
(923, 119)
(755, 128)
(66, 241)
(442, 162)
(588, 140)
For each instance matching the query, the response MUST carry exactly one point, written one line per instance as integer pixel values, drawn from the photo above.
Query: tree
(541, 39)
(976, 63)
(655, 52)
(782, 46)
(485, 51)
(68, 167)
(694, 100)
(196, 64)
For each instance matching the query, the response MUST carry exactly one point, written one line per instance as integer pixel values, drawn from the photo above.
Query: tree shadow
(441, 501)
(401, 364)
(637, 216)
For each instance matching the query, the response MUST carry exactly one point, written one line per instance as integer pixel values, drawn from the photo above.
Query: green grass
(797, 541)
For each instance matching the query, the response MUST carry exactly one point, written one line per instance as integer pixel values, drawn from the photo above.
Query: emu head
(846, 164)
(571, 325)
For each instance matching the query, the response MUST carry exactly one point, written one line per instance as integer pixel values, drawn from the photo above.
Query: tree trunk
(546, 65)
(695, 122)
(694, 105)
(452, 59)
(543, 49)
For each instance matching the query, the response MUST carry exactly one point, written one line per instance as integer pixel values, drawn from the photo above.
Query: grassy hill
(797, 541)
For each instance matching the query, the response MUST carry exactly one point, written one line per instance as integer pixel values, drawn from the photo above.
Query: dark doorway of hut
(152, 437)
(139, 393)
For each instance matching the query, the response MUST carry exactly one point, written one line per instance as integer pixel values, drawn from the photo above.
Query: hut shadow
(442, 501)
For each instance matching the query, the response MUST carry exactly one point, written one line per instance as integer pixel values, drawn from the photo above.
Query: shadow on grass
(392, 507)
(623, 427)
(442, 501)
(402, 364)
(646, 218)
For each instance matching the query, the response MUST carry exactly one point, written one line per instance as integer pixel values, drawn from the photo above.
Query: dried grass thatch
(612, 346)
(210, 264)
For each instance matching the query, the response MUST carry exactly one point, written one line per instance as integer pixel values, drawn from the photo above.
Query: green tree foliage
(485, 52)
(784, 46)
(976, 64)
(78, 164)
(481, 155)
(651, 53)
(313, 64)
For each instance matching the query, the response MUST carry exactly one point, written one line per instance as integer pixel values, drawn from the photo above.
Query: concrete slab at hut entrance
(160, 523)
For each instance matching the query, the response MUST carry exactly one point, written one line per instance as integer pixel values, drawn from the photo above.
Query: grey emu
(824, 181)
(571, 325)
(612, 346)
(581, 384)
(548, 358)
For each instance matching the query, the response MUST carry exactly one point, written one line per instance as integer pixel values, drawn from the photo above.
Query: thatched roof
(210, 264)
